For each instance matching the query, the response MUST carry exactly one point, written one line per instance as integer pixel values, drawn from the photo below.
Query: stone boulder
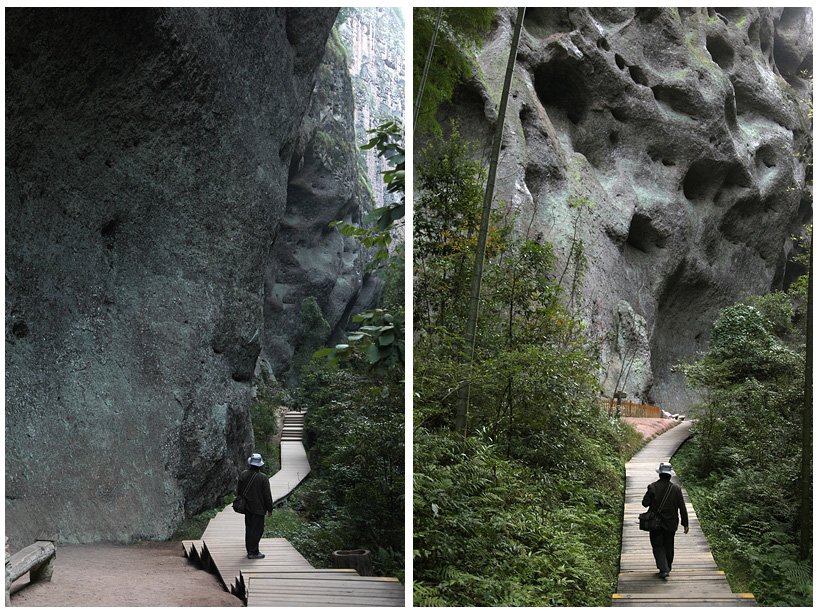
(147, 164)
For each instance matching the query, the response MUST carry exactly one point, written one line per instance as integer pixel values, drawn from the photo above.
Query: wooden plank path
(284, 577)
(695, 579)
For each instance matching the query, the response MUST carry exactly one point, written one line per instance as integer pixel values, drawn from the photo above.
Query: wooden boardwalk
(284, 577)
(695, 579)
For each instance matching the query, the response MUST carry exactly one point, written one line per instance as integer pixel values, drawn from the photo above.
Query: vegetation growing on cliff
(458, 35)
(525, 510)
(313, 330)
(742, 466)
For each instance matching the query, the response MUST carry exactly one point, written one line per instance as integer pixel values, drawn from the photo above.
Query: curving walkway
(695, 579)
(284, 577)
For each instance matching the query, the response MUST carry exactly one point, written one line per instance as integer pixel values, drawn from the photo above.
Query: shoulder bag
(651, 520)
(240, 503)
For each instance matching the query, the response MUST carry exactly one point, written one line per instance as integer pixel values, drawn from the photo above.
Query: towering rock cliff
(310, 259)
(373, 38)
(673, 141)
(148, 170)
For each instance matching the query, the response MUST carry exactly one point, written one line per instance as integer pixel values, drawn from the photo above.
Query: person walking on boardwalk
(255, 487)
(666, 500)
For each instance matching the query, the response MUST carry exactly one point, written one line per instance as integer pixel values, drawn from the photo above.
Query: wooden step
(322, 591)
(328, 574)
(284, 577)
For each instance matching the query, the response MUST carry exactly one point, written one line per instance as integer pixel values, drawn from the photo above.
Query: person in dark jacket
(661, 540)
(254, 485)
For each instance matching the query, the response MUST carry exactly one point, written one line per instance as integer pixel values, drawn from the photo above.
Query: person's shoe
(255, 556)
(663, 574)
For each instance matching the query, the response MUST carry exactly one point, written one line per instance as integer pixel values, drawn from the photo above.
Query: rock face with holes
(147, 162)
(673, 141)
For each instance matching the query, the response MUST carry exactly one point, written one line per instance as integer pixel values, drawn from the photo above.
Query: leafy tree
(378, 231)
(524, 510)
(354, 498)
(354, 425)
(447, 217)
(381, 335)
(743, 467)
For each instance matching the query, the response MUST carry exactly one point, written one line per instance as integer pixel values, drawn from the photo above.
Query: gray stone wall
(308, 258)
(147, 161)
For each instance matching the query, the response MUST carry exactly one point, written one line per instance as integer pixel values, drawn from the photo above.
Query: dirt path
(139, 575)
(650, 427)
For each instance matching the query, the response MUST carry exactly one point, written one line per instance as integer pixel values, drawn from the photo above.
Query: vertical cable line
(464, 393)
(426, 70)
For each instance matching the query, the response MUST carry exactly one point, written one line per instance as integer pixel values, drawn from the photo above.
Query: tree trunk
(806, 431)
(464, 393)
(359, 559)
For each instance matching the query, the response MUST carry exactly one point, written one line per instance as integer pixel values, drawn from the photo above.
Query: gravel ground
(140, 575)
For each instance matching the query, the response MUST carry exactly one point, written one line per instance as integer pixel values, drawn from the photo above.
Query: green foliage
(385, 335)
(450, 188)
(313, 330)
(354, 435)
(747, 515)
(264, 419)
(525, 511)
(381, 335)
(393, 295)
(489, 531)
(191, 528)
(742, 469)
(387, 139)
(354, 426)
(744, 349)
(461, 31)
(336, 46)
(312, 539)
(380, 339)
(798, 290)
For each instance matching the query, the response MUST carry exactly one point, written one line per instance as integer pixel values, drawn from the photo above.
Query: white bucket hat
(255, 460)
(665, 468)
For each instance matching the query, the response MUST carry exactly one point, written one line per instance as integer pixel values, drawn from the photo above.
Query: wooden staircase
(284, 578)
(293, 428)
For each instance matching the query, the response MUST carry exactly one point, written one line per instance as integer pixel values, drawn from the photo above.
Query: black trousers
(662, 543)
(253, 529)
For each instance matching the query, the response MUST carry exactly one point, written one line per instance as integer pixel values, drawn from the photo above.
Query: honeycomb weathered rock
(685, 129)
